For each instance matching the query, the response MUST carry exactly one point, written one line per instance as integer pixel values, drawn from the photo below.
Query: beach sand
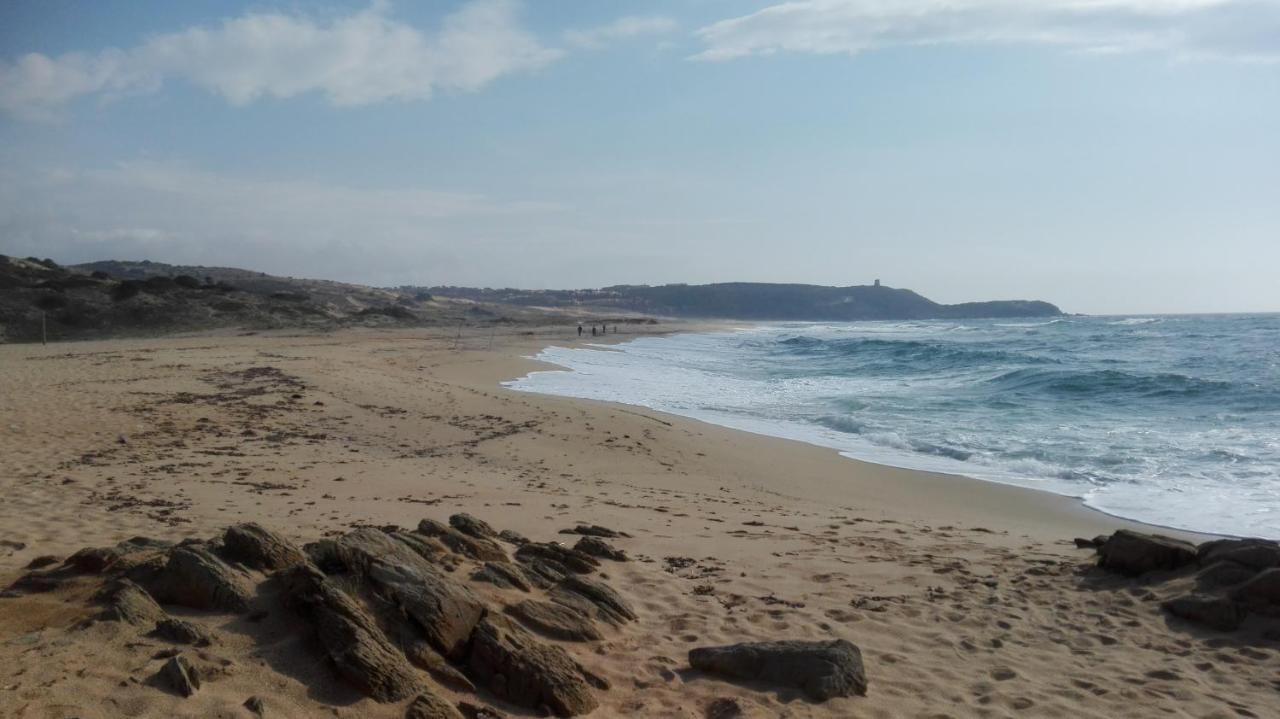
(966, 598)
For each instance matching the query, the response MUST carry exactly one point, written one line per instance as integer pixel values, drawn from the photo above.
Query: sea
(1171, 420)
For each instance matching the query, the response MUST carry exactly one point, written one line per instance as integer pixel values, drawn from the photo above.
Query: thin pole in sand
(44, 330)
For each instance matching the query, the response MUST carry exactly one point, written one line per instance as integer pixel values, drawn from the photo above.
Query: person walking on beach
(593, 330)
(579, 330)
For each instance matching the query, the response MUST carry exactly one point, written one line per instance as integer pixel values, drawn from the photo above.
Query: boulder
(424, 656)
(256, 706)
(121, 557)
(182, 632)
(556, 621)
(1217, 612)
(444, 610)
(259, 547)
(724, 708)
(822, 669)
(127, 602)
(1256, 554)
(42, 561)
(595, 530)
(1223, 574)
(513, 537)
(350, 637)
(475, 711)
(502, 574)
(515, 666)
(468, 524)
(593, 598)
(1262, 593)
(428, 705)
(178, 675)
(597, 547)
(195, 577)
(571, 559)
(1132, 553)
(480, 548)
(357, 550)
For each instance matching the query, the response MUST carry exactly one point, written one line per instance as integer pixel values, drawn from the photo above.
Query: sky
(1110, 156)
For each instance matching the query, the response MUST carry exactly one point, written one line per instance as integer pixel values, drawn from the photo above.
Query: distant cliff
(756, 301)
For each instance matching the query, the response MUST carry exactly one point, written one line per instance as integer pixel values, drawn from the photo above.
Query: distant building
(877, 283)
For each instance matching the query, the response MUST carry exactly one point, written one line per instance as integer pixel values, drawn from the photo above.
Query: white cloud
(1235, 29)
(622, 28)
(359, 59)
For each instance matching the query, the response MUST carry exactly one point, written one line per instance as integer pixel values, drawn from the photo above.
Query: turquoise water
(1173, 420)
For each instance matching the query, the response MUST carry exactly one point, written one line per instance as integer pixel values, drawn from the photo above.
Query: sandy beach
(966, 598)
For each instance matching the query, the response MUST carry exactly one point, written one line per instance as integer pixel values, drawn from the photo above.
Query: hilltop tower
(877, 283)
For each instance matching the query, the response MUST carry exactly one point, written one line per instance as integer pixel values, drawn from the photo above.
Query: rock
(1257, 554)
(597, 547)
(428, 705)
(515, 666)
(195, 577)
(260, 548)
(256, 706)
(502, 574)
(571, 559)
(724, 708)
(426, 547)
(121, 557)
(424, 656)
(93, 560)
(1132, 553)
(1262, 593)
(359, 650)
(1216, 612)
(178, 675)
(42, 561)
(593, 598)
(543, 573)
(822, 669)
(1223, 574)
(481, 548)
(445, 610)
(468, 524)
(556, 621)
(472, 711)
(513, 537)
(1082, 543)
(182, 632)
(357, 550)
(127, 602)
(595, 530)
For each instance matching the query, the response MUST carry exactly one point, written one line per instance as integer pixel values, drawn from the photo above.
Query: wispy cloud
(1235, 29)
(363, 58)
(622, 28)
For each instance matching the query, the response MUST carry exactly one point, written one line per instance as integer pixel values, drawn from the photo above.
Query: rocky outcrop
(594, 599)
(259, 547)
(508, 661)
(1217, 612)
(430, 706)
(127, 602)
(595, 530)
(556, 621)
(1261, 594)
(179, 676)
(502, 574)
(597, 547)
(469, 525)
(1255, 554)
(821, 670)
(193, 576)
(558, 557)
(481, 548)
(182, 632)
(444, 610)
(1132, 553)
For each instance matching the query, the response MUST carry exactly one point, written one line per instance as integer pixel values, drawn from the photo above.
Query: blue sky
(1106, 155)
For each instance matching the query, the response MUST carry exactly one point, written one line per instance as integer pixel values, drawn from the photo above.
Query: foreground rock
(555, 620)
(430, 706)
(195, 577)
(261, 548)
(179, 676)
(1132, 553)
(513, 665)
(822, 670)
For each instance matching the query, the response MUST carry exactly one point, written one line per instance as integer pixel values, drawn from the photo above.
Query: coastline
(964, 596)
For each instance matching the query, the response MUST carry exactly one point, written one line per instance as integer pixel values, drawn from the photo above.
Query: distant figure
(604, 329)
(579, 330)
(593, 330)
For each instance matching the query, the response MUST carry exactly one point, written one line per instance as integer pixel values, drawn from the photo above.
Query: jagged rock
(359, 650)
(256, 706)
(127, 602)
(93, 560)
(1132, 553)
(513, 537)
(426, 547)
(593, 598)
(445, 610)
(822, 670)
(502, 574)
(356, 550)
(595, 530)
(472, 711)
(42, 561)
(121, 557)
(1223, 574)
(515, 666)
(1217, 612)
(427, 705)
(422, 655)
(543, 573)
(1257, 554)
(1262, 593)
(182, 632)
(259, 547)
(556, 621)
(195, 577)
(468, 524)
(180, 676)
(571, 559)
(597, 547)
(481, 548)
(724, 708)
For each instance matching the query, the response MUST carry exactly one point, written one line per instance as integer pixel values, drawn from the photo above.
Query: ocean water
(1173, 420)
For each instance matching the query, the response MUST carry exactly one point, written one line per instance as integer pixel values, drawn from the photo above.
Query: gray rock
(1262, 593)
(127, 602)
(593, 598)
(195, 577)
(1132, 553)
(182, 632)
(502, 574)
(556, 621)
(356, 550)
(358, 649)
(481, 548)
(822, 670)
(424, 656)
(261, 548)
(428, 705)
(178, 675)
(571, 559)
(515, 666)
(1257, 554)
(597, 547)
(1223, 574)
(595, 530)
(513, 537)
(256, 706)
(42, 561)
(1217, 612)
(468, 524)
(445, 610)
